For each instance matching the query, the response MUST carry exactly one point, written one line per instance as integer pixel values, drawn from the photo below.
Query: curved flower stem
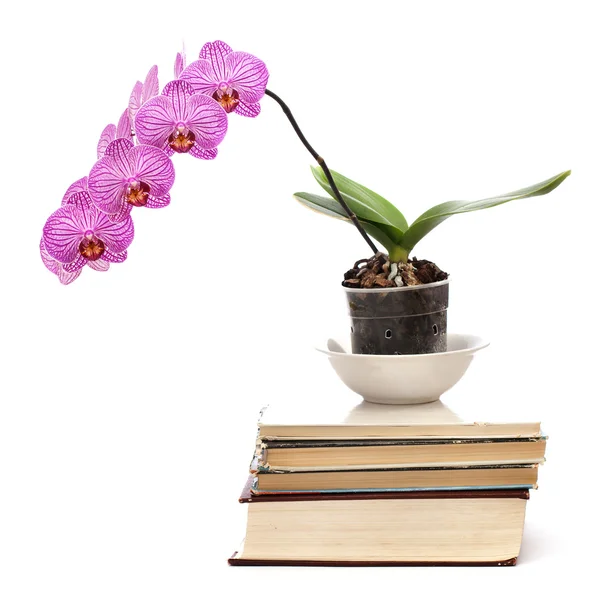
(321, 161)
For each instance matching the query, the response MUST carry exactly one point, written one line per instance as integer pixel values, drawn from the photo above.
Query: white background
(128, 400)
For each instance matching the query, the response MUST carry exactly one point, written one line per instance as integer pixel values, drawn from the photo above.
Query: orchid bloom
(179, 63)
(142, 92)
(237, 80)
(111, 132)
(78, 234)
(71, 197)
(181, 121)
(128, 176)
(67, 273)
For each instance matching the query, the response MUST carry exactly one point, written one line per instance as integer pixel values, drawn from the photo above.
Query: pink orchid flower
(237, 80)
(78, 234)
(67, 273)
(128, 176)
(71, 197)
(142, 92)
(111, 132)
(181, 121)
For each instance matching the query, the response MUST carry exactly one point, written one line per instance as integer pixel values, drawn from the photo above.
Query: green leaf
(364, 203)
(431, 218)
(387, 235)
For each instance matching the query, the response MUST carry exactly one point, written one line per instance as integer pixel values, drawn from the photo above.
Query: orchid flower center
(182, 139)
(137, 193)
(227, 97)
(91, 247)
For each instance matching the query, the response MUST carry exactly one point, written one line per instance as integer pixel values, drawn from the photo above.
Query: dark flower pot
(405, 320)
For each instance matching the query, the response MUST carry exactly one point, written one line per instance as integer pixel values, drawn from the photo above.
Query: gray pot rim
(404, 288)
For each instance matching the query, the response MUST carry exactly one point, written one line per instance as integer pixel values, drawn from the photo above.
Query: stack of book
(387, 485)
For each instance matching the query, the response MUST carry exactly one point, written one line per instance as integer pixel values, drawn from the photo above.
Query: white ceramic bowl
(403, 379)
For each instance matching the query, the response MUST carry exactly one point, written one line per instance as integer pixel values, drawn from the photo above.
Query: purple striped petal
(66, 278)
(108, 134)
(150, 88)
(87, 216)
(99, 265)
(207, 120)
(135, 100)
(202, 153)
(119, 152)
(50, 263)
(200, 74)
(107, 183)
(122, 212)
(76, 265)
(124, 125)
(152, 166)
(178, 92)
(247, 110)
(81, 200)
(155, 122)
(160, 202)
(211, 46)
(116, 236)
(78, 186)
(248, 75)
(179, 63)
(62, 234)
(215, 53)
(115, 257)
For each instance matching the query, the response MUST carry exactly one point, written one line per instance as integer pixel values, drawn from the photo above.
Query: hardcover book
(345, 418)
(397, 479)
(482, 527)
(307, 455)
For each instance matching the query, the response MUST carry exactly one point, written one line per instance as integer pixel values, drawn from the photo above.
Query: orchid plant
(94, 227)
